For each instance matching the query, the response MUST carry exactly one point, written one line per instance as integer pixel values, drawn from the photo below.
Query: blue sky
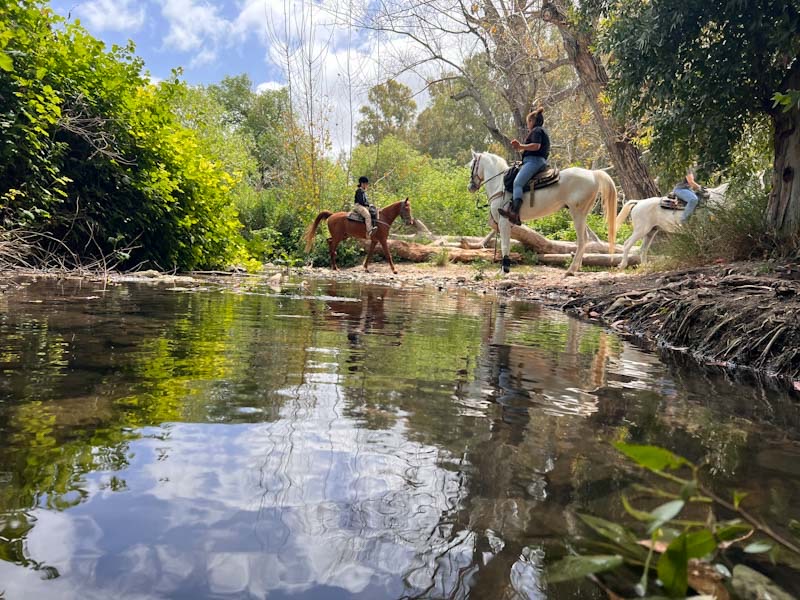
(207, 39)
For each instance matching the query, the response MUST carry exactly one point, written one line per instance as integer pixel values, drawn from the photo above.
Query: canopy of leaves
(696, 73)
(94, 155)
(390, 111)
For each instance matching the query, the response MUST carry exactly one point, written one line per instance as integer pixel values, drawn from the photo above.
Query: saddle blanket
(354, 216)
(547, 176)
(672, 203)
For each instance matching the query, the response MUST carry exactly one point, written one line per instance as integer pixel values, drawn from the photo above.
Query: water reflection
(334, 441)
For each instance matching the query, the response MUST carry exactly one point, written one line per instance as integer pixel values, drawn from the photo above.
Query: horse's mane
(499, 160)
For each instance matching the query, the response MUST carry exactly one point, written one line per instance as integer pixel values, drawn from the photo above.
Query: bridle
(474, 175)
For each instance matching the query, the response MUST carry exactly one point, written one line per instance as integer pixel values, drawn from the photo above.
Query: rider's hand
(515, 144)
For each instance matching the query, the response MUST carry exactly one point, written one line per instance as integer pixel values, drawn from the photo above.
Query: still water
(329, 440)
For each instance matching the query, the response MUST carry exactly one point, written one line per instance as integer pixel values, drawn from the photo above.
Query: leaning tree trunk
(783, 210)
(626, 157)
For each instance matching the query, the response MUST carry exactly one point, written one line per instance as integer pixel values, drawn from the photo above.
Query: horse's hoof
(569, 274)
(506, 264)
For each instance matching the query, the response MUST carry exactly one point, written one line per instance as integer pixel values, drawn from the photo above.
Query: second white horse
(649, 218)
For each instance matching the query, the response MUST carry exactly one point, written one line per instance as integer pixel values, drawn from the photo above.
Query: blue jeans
(687, 196)
(531, 165)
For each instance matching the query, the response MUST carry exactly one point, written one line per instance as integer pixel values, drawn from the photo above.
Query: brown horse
(342, 228)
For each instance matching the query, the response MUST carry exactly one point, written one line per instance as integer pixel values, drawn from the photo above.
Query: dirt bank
(741, 316)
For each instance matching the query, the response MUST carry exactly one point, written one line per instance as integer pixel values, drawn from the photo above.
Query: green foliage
(559, 226)
(736, 230)
(449, 128)
(92, 154)
(437, 189)
(390, 111)
(695, 74)
(701, 535)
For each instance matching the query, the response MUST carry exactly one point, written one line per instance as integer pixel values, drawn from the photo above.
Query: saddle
(546, 177)
(373, 212)
(672, 202)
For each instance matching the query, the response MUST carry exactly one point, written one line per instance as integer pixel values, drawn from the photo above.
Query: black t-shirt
(361, 197)
(538, 135)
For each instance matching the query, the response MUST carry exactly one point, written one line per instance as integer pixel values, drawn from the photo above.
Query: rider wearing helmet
(362, 204)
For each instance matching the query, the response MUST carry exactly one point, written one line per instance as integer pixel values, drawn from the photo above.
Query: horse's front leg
(580, 230)
(385, 246)
(504, 226)
(369, 255)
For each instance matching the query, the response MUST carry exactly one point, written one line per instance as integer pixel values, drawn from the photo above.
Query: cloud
(112, 15)
(193, 25)
(269, 85)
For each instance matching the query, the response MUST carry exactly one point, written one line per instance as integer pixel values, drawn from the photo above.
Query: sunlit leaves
(651, 457)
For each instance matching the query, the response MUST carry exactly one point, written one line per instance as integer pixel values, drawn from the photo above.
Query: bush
(559, 226)
(94, 155)
(736, 230)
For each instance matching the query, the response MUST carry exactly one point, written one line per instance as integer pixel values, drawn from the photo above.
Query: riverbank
(741, 316)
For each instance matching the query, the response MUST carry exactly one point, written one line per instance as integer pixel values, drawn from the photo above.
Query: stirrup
(510, 215)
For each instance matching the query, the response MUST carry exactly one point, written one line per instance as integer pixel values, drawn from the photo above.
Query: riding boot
(513, 214)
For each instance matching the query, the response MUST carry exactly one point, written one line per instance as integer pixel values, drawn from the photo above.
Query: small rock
(594, 314)
(749, 584)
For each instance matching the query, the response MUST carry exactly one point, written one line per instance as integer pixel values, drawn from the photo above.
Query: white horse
(649, 218)
(577, 189)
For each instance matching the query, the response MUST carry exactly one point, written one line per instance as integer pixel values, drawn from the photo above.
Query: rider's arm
(692, 183)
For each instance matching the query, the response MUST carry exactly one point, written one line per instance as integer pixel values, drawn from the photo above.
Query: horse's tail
(609, 192)
(308, 236)
(626, 210)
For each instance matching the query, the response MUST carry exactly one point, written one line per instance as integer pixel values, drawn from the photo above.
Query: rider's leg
(691, 200)
(364, 212)
(530, 166)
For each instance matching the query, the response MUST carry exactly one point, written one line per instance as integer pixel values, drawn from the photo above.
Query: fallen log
(535, 241)
(589, 260)
(423, 252)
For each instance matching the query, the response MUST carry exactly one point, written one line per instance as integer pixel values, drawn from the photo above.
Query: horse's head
(476, 173)
(405, 213)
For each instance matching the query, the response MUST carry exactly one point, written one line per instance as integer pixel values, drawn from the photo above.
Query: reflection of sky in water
(384, 444)
(301, 506)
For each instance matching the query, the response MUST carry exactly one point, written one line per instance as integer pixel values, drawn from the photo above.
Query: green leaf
(794, 527)
(651, 457)
(732, 530)
(700, 543)
(758, 547)
(665, 512)
(673, 568)
(6, 63)
(738, 497)
(618, 534)
(576, 567)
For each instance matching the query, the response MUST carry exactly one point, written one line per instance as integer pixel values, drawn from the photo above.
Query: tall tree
(448, 128)
(697, 73)
(578, 41)
(514, 39)
(390, 111)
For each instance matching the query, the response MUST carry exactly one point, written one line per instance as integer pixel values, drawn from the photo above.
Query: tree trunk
(783, 210)
(626, 157)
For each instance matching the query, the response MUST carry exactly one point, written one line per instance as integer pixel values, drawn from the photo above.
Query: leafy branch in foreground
(681, 543)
